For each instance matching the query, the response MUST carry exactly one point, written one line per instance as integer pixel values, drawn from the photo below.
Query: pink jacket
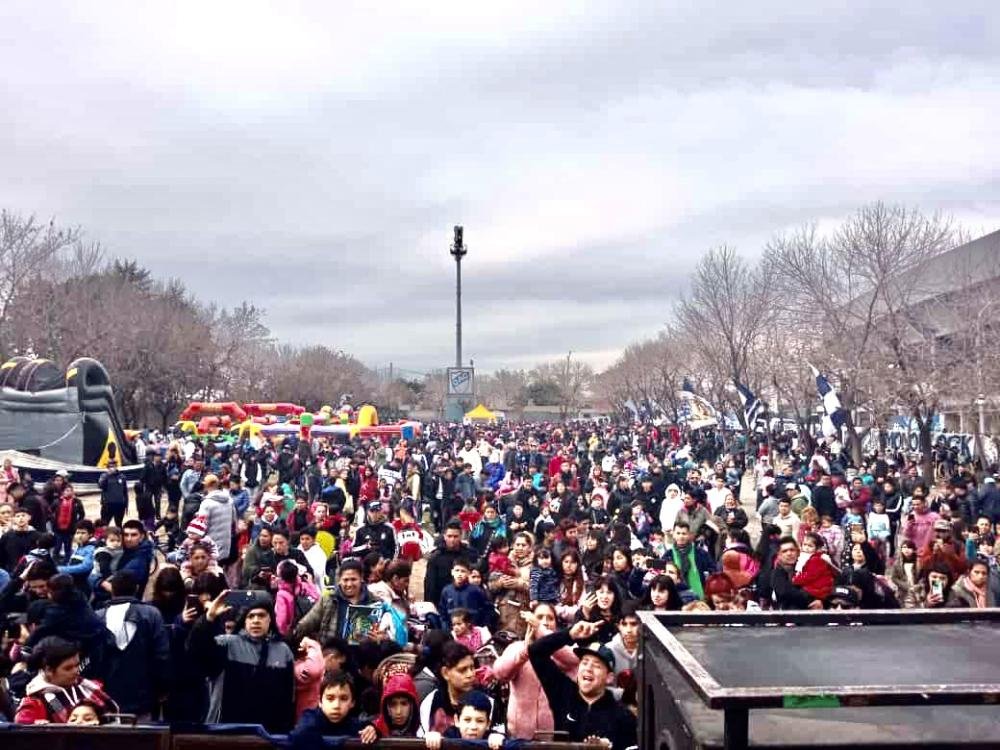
(528, 709)
(284, 603)
(308, 676)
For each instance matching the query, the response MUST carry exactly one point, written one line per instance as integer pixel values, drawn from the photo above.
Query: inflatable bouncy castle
(68, 418)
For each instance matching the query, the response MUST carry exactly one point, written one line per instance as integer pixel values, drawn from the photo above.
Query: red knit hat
(198, 527)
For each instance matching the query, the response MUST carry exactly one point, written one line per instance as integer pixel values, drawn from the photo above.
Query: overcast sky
(313, 157)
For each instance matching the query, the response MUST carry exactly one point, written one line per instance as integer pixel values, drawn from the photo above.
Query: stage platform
(838, 679)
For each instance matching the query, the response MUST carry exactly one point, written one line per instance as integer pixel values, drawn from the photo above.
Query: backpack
(302, 606)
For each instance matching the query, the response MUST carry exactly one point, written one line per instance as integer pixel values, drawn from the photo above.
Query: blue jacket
(313, 726)
(81, 564)
(241, 501)
(496, 475)
(469, 597)
(137, 562)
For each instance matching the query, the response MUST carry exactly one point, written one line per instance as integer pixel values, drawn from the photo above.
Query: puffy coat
(220, 516)
(256, 675)
(528, 709)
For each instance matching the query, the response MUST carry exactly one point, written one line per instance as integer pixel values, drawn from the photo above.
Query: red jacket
(398, 684)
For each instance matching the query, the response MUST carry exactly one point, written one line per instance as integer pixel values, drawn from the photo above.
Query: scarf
(685, 561)
(978, 591)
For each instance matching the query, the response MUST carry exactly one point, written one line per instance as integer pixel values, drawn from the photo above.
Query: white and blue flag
(753, 408)
(836, 415)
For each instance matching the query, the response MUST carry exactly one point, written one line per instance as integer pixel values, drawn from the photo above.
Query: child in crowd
(197, 531)
(465, 632)
(308, 675)
(168, 530)
(469, 516)
(106, 558)
(460, 593)
(833, 537)
(398, 716)
(85, 713)
(878, 528)
(43, 548)
(499, 559)
(544, 581)
(333, 717)
(815, 571)
(472, 722)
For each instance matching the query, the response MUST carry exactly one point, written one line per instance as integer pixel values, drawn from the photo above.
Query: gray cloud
(313, 158)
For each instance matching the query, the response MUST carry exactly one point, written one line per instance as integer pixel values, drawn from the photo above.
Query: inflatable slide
(62, 418)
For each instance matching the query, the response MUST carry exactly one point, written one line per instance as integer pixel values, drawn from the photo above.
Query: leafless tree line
(62, 297)
(901, 326)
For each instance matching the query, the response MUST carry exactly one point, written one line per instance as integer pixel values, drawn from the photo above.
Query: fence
(63, 737)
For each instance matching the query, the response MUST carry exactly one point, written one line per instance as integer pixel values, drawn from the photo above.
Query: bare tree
(854, 289)
(726, 314)
(27, 248)
(506, 387)
(571, 379)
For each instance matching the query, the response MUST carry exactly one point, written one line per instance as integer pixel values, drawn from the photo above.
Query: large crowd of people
(480, 582)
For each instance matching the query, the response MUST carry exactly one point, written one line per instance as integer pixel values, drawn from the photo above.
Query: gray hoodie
(220, 519)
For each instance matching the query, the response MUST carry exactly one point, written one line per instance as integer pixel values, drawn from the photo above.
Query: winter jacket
(787, 594)
(379, 537)
(961, 596)
(137, 561)
(438, 573)
(80, 565)
(606, 717)
(65, 521)
(528, 709)
(285, 602)
(44, 701)
(220, 519)
(398, 684)
(137, 666)
(469, 597)
(14, 545)
(256, 558)
(114, 489)
(313, 726)
(308, 676)
(328, 617)
(254, 677)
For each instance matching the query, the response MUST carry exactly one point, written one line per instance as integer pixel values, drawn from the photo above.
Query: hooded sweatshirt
(47, 702)
(398, 684)
(220, 519)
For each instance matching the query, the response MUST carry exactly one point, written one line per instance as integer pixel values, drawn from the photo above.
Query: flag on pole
(753, 408)
(695, 411)
(836, 415)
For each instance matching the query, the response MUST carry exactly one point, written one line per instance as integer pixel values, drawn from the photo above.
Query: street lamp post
(458, 251)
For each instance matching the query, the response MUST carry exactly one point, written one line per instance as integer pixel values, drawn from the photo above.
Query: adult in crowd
(58, 686)
(114, 494)
(328, 616)
(584, 709)
(252, 667)
(528, 709)
(136, 664)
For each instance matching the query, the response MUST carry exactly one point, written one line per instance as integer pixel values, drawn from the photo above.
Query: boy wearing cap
(375, 534)
(585, 709)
